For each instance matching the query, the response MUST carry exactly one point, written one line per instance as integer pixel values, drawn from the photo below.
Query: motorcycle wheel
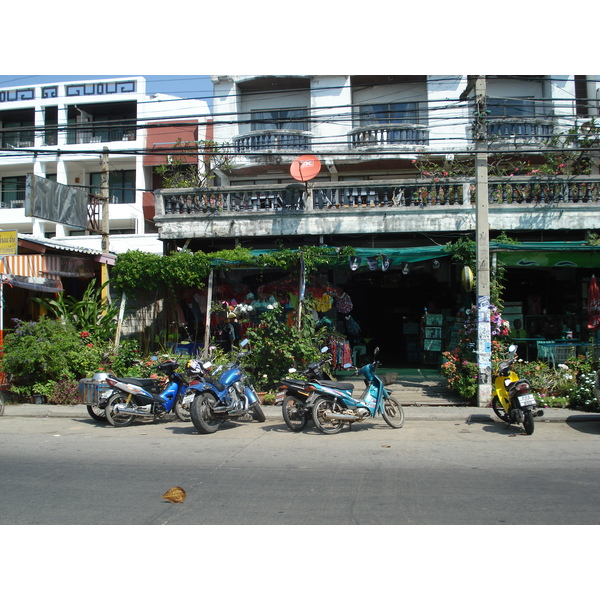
(182, 413)
(203, 418)
(528, 422)
(258, 412)
(323, 405)
(115, 418)
(393, 413)
(294, 413)
(98, 414)
(499, 410)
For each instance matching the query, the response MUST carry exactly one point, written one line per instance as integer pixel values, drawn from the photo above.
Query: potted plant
(40, 391)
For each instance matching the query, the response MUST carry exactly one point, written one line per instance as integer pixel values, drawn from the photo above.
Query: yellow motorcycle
(512, 399)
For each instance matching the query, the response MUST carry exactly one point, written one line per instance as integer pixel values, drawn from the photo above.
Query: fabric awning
(548, 254)
(37, 284)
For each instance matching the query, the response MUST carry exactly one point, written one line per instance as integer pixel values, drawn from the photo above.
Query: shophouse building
(394, 183)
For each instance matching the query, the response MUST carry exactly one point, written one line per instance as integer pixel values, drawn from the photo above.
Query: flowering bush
(39, 353)
(460, 366)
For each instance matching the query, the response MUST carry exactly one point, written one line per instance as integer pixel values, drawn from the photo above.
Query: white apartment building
(372, 127)
(59, 131)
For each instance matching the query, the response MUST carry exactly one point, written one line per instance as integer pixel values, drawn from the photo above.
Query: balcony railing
(533, 131)
(273, 139)
(99, 135)
(391, 195)
(383, 135)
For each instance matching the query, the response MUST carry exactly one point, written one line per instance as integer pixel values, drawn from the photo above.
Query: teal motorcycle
(333, 407)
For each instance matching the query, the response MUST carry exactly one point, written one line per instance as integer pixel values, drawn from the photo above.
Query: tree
(183, 172)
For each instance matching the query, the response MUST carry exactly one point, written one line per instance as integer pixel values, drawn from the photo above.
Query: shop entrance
(389, 308)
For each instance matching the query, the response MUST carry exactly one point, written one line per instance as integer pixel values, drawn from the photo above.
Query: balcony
(16, 140)
(370, 136)
(273, 140)
(99, 134)
(371, 207)
(523, 131)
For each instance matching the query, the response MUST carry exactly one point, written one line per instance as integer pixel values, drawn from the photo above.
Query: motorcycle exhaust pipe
(539, 413)
(132, 411)
(330, 416)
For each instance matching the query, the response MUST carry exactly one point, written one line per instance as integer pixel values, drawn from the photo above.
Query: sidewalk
(412, 413)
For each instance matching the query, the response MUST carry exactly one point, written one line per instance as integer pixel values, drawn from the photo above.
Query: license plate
(280, 396)
(527, 400)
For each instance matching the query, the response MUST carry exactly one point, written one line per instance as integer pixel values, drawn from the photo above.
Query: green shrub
(276, 347)
(39, 353)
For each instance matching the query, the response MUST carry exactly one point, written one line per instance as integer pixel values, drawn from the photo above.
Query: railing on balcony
(99, 134)
(16, 140)
(534, 131)
(273, 139)
(391, 195)
(382, 135)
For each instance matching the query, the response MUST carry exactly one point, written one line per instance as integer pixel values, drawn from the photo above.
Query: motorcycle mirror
(244, 343)
(324, 349)
(207, 365)
(347, 365)
(376, 352)
(291, 370)
(512, 348)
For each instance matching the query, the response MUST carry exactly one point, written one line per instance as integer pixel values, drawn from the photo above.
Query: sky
(184, 86)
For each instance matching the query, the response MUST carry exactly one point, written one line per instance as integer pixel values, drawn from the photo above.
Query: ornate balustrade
(382, 135)
(391, 195)
(532, 131)
(272, 139)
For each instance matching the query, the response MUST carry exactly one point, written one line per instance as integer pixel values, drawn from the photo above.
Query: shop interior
(411, 311)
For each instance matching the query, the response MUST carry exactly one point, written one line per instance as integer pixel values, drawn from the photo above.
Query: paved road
(77, 471)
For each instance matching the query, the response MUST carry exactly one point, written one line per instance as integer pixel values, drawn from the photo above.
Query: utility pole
(482, 234)
(482, 249)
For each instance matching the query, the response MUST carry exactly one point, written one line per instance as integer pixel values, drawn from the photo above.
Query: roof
(64, 247)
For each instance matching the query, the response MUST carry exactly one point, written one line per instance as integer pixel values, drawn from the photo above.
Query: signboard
(8, 243)
(46, 199)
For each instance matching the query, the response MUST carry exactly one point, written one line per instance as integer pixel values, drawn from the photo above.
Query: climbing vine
(137, 270)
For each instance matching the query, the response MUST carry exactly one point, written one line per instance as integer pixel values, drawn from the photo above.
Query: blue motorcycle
(138, 397)
(332, 405)
(216, 400)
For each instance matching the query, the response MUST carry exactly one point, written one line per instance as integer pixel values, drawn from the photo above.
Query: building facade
(395, 153)
(59, 131)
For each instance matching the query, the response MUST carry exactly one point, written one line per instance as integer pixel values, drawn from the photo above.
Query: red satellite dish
(305, 167)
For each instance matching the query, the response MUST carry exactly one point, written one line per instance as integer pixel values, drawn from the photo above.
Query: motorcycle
(512, 398)
(139, 397)
(293, 394)
(332, 406)
(231, 395)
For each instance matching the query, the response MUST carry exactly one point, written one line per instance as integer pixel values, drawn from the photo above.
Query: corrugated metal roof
(63, 247)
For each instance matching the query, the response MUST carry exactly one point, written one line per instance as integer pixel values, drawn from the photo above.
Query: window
(389, 114)
(121, 186)
(13, 192)
(511, 107)
(290, 118)
(581, 96)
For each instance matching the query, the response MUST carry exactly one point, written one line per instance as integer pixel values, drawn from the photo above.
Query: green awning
(548, 254)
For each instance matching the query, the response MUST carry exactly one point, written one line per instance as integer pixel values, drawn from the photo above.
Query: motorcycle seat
(338, 385)
(295, 382)
(218, 386)
(146, 383)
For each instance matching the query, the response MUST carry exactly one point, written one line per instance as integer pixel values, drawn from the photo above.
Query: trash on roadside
(175, 495)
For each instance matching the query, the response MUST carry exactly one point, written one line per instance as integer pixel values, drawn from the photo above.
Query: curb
(413, 413)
